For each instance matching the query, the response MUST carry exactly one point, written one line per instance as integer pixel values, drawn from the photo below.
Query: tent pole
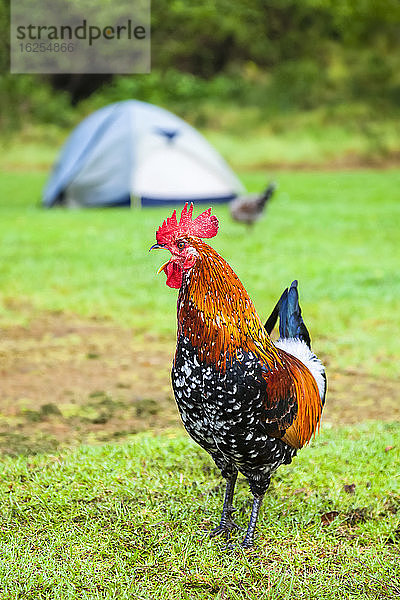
(136, 202)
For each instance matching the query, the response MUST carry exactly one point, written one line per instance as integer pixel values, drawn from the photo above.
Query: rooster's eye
(180, 245)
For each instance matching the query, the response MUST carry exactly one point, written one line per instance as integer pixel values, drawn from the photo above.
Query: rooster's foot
(225, 528)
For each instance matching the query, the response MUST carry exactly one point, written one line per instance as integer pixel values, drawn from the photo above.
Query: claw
(225, 528)
(247, 545)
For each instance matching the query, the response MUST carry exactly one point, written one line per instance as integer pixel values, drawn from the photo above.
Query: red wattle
(174, 274)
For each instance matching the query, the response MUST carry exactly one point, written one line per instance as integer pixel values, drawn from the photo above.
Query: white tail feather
(300, 350)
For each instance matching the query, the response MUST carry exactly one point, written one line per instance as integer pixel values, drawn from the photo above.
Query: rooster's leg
(249, 537)
(227, 524)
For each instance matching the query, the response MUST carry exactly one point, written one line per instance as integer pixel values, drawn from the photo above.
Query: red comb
(203, 226)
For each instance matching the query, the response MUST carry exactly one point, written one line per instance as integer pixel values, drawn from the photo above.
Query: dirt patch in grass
(66, 380)
(348, 162)
(354, 397)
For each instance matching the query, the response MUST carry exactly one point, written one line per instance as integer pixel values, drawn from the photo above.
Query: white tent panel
(172, 173)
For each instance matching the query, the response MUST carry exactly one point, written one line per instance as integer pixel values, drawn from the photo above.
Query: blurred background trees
(271, 57)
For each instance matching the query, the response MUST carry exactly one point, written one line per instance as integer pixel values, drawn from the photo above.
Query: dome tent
(134, 151)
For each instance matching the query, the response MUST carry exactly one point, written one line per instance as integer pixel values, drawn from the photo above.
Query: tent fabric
(132, 150)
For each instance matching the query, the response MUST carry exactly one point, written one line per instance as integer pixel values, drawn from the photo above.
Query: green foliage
(278, 55)
(275, 57)
(208, 37)
(183, 93)
(26, 98)
(4, 35)
(132, 521)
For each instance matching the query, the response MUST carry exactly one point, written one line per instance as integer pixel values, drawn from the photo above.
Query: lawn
(131, 521)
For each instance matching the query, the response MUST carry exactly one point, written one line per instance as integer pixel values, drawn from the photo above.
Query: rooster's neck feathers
(216, 313)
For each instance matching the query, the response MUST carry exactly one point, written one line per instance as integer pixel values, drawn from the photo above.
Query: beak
(160, 247)
(157, 247)
(161, 269)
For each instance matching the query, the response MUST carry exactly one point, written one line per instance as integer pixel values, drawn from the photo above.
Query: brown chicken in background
(249, 208)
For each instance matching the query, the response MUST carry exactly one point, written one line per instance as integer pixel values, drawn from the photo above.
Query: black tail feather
(267, 194)
(291, 324)
(273, 317)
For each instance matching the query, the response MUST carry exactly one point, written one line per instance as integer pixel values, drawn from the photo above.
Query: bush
(29, 98)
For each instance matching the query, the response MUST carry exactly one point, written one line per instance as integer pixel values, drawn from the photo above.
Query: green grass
(131, 521)
(336, 232)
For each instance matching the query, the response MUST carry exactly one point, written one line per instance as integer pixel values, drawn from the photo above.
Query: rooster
(249, 402)
(250, 208)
